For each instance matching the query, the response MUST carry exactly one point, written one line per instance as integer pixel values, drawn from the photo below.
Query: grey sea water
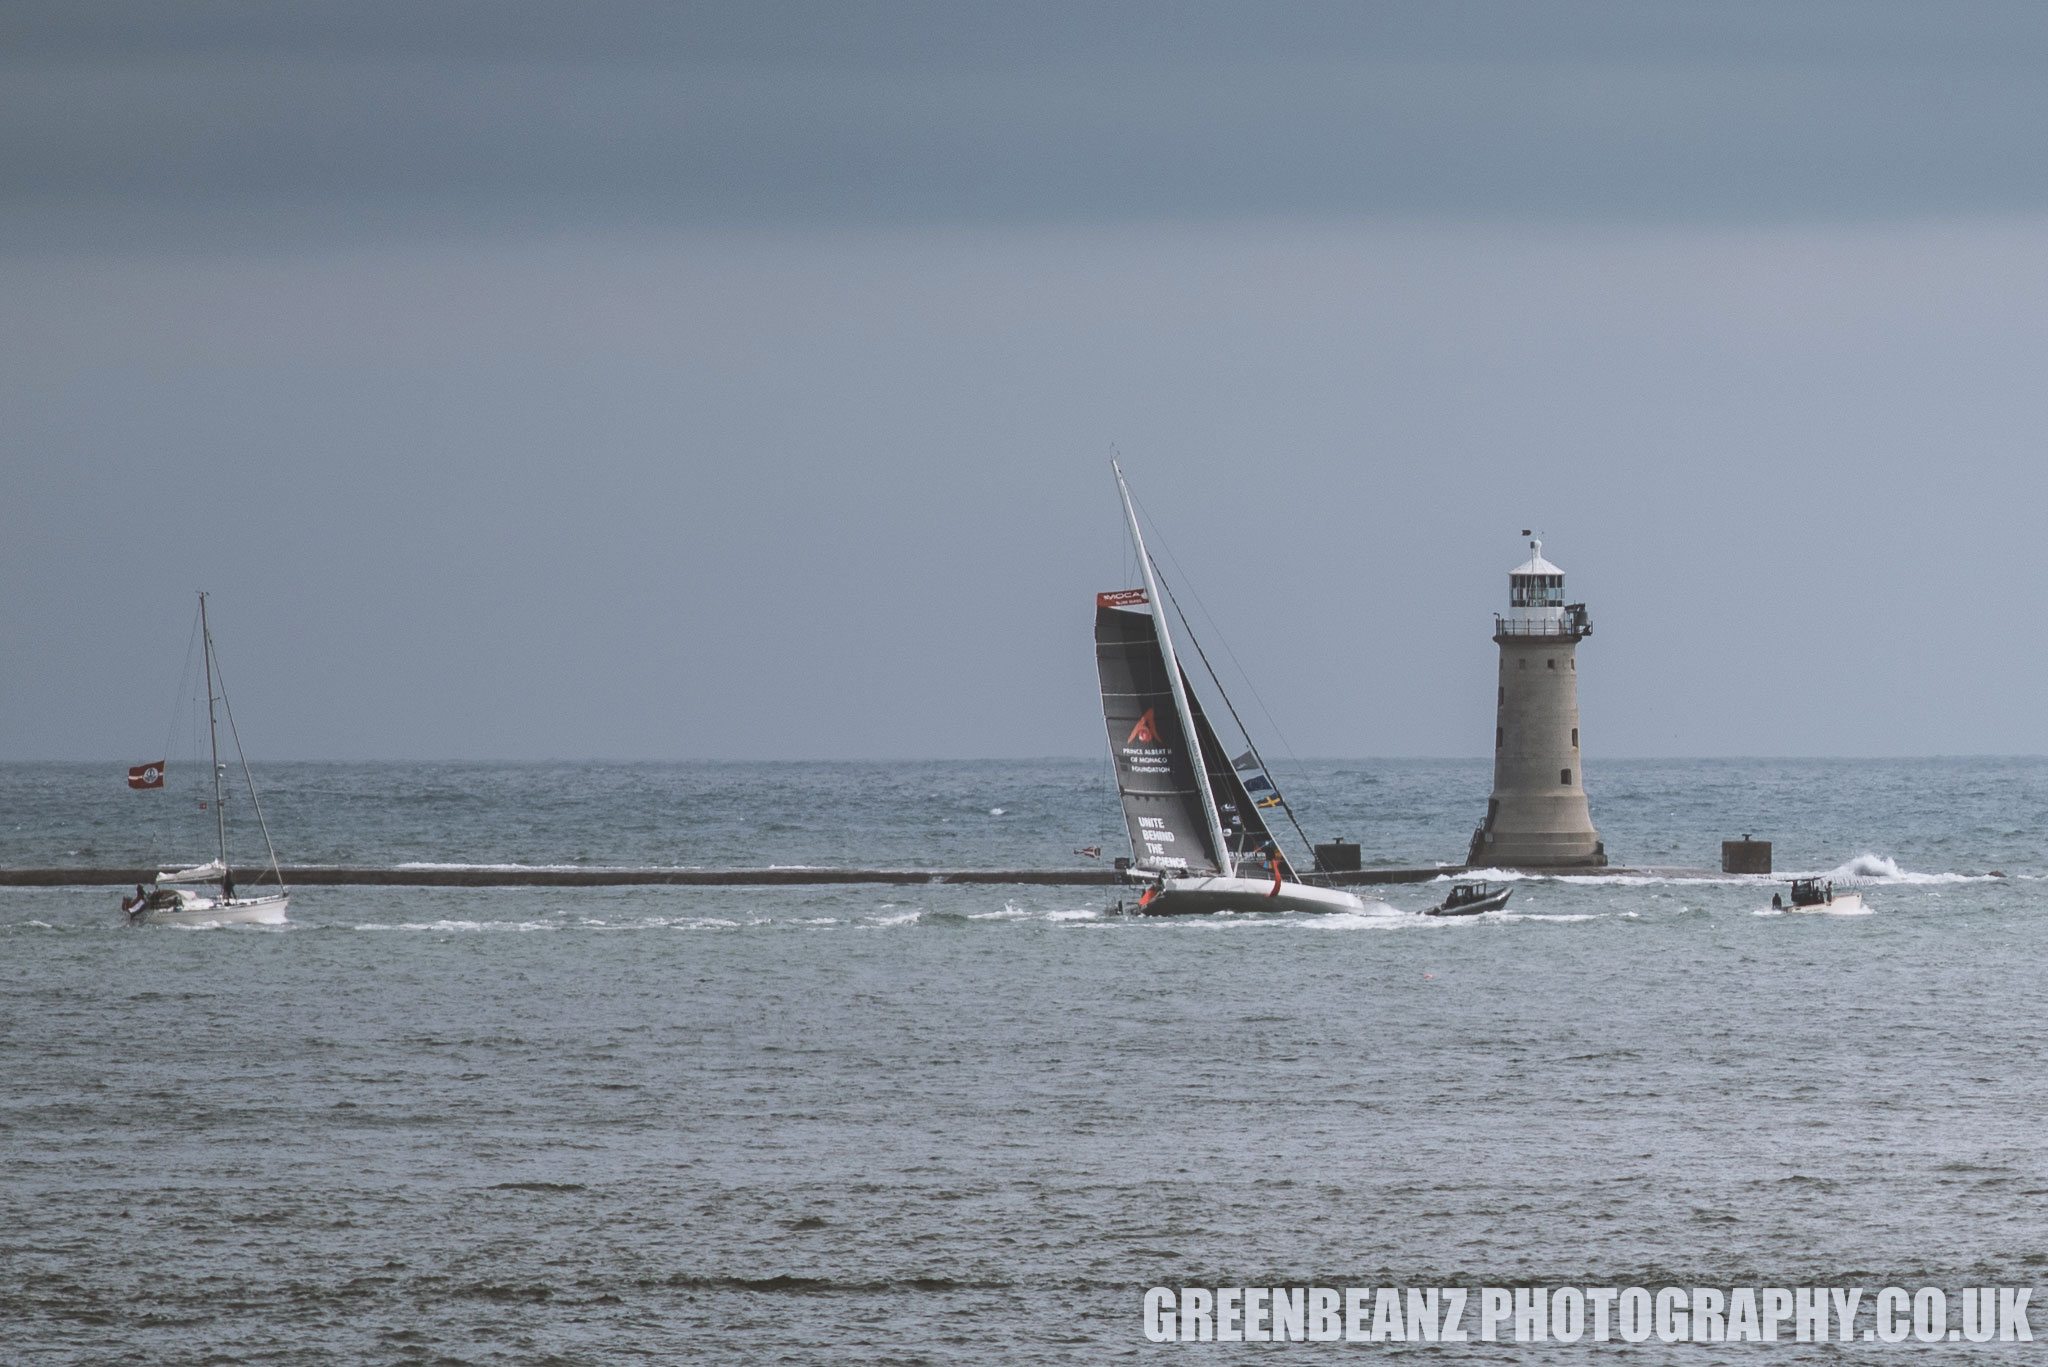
(941, 1123)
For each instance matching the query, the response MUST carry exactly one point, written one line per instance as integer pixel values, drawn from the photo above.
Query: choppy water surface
(973, 1124)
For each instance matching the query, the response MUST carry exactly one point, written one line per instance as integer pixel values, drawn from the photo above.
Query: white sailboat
(1195, 830)
(171, 899)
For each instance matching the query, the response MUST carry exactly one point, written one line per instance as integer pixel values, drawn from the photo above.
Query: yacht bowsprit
(1195, 829)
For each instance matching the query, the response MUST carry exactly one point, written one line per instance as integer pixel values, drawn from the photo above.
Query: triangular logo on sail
(147, 775)
(1120, 598)
(1146, 731)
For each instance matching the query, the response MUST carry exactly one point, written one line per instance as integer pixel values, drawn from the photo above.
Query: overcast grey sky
(650, 381)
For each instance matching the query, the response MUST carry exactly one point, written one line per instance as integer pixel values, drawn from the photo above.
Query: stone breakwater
(513, 876)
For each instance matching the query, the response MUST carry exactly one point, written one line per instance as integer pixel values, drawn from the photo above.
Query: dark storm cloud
(828, 113)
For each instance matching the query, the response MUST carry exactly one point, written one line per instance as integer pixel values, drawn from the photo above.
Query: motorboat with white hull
(1198, 841)
(1818, 895)
(1471, 899)
(172, 900)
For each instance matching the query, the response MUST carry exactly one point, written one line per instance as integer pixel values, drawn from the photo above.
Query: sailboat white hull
(1207, 896)
(212, 911)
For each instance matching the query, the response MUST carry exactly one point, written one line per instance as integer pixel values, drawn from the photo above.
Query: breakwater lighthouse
(1538, 817)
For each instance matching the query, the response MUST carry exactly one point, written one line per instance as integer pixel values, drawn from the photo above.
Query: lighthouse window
(1500, 737)
(1536, 590)
(1550, 664)
(1564, 776)
(1575, 738)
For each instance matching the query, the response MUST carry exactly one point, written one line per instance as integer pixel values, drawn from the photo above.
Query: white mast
(1180, 692)
(220, 826)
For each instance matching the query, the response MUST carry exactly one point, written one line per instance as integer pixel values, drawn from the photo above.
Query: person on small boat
(134, 903)
(227, 887)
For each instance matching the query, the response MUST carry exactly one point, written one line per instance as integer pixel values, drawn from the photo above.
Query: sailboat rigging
(169, 901)
(1194, 827)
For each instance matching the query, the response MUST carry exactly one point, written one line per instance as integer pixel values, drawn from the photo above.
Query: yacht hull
(206, 911)
(1207, 896)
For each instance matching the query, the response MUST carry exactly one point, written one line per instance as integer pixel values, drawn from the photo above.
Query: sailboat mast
(1173, 676)
(220, 824)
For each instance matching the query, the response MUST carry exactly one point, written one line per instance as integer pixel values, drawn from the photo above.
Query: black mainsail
(1155, 768)
(1155, 777)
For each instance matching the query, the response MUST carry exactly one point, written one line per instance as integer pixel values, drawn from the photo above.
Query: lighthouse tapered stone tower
(1537, 817)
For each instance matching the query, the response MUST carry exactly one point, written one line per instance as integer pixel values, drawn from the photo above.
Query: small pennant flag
(1257, 783)
(1247, 760)
(1272, 801)
(147, 775)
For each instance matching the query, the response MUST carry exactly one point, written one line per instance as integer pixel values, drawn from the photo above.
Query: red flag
(147, 775)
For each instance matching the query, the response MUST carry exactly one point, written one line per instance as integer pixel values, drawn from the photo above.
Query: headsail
(1155, 774)
(1243, 827)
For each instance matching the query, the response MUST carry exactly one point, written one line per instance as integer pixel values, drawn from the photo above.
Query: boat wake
(1867, 868)
(1877, 869)
(225, 923)
(448, 925)
(1374, 916)
(1601, 880)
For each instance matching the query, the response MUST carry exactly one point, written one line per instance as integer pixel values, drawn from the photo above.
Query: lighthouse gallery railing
(1574, 623)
